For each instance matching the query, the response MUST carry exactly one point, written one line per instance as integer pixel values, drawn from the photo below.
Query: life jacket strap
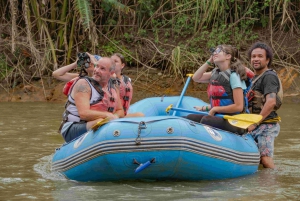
(219, 97)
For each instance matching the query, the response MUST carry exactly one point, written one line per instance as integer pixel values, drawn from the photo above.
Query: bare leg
(267, 162)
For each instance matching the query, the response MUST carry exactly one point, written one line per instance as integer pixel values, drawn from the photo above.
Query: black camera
(212, 50)
(83, 59)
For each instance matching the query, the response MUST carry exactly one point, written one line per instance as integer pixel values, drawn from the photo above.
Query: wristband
(207, 109)
(209, 63)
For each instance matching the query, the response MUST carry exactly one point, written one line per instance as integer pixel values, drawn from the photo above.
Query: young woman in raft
(122, 82)
(123, 85)
(226, 90)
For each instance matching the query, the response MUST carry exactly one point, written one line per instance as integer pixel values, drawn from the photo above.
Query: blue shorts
(73, 130)
(264, 135)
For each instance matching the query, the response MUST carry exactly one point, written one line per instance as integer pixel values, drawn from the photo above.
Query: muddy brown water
(28, 139)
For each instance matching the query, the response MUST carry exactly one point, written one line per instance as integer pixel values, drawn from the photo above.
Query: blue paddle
(183, 92)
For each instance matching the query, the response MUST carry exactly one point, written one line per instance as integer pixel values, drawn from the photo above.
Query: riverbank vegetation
(174, 36)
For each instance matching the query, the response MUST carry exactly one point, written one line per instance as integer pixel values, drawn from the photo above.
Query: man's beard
(260, 67)
(97, 78)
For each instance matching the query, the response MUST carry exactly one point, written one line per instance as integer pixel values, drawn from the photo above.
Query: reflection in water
(29, 138)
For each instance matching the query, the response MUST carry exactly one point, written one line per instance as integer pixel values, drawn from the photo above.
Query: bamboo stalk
(63, 19)
(71, 39)
(53, 14)
(52, 49)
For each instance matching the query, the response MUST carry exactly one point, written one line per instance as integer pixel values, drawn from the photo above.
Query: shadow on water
(29, 138)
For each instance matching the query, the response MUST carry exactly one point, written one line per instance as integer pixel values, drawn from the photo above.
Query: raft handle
(142, 125)
(142, 166)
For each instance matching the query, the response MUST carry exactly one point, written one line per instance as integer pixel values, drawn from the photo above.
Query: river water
(28, 139)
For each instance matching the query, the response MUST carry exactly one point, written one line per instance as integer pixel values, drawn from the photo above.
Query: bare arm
(119, 110)
(237, 106)
(269, 105)
(82, 93)
(200, 75)
(63, 72)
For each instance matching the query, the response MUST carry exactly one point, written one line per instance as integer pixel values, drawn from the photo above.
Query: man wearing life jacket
(226, 88)
(91, 100)
(265, 98)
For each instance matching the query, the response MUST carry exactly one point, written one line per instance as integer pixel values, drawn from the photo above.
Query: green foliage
(83, 7)
(114, 47)
(109, 49)
(128, 37)
(116, 4)
(142, 32)
(176, 56)
(182, 31)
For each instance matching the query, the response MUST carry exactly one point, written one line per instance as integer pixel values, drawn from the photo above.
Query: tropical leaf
(83, 8)
(119, 6)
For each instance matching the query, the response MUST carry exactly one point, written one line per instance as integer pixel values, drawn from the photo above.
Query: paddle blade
(252, 118)
(243, 120)
(239, 124)
(100, 123)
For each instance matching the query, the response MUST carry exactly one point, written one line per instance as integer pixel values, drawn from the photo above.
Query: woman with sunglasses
(227, 84)
(64, 74)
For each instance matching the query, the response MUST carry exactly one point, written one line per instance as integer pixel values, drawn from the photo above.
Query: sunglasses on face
(216, 50)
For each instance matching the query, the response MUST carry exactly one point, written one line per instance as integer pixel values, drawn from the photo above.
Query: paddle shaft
(195, 112)
(182, 93)
(237, 120)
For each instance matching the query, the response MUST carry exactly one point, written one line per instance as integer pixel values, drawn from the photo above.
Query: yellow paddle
(238, 120)
(242, 120)
(99, 123)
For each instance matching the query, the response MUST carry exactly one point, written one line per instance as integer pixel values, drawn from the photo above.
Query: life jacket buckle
(126, 98)
(110, 109)
(64, 120)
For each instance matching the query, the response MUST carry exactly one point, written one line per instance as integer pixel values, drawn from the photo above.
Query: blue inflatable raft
(159, 146)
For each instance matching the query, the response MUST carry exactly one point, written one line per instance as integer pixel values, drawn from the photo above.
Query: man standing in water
(91, 100)
(264, 98)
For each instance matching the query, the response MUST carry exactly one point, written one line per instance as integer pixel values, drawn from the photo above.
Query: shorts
(264, 135)
(72, 130)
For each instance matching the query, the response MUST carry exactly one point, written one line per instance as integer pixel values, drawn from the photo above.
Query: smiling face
(259, 60)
